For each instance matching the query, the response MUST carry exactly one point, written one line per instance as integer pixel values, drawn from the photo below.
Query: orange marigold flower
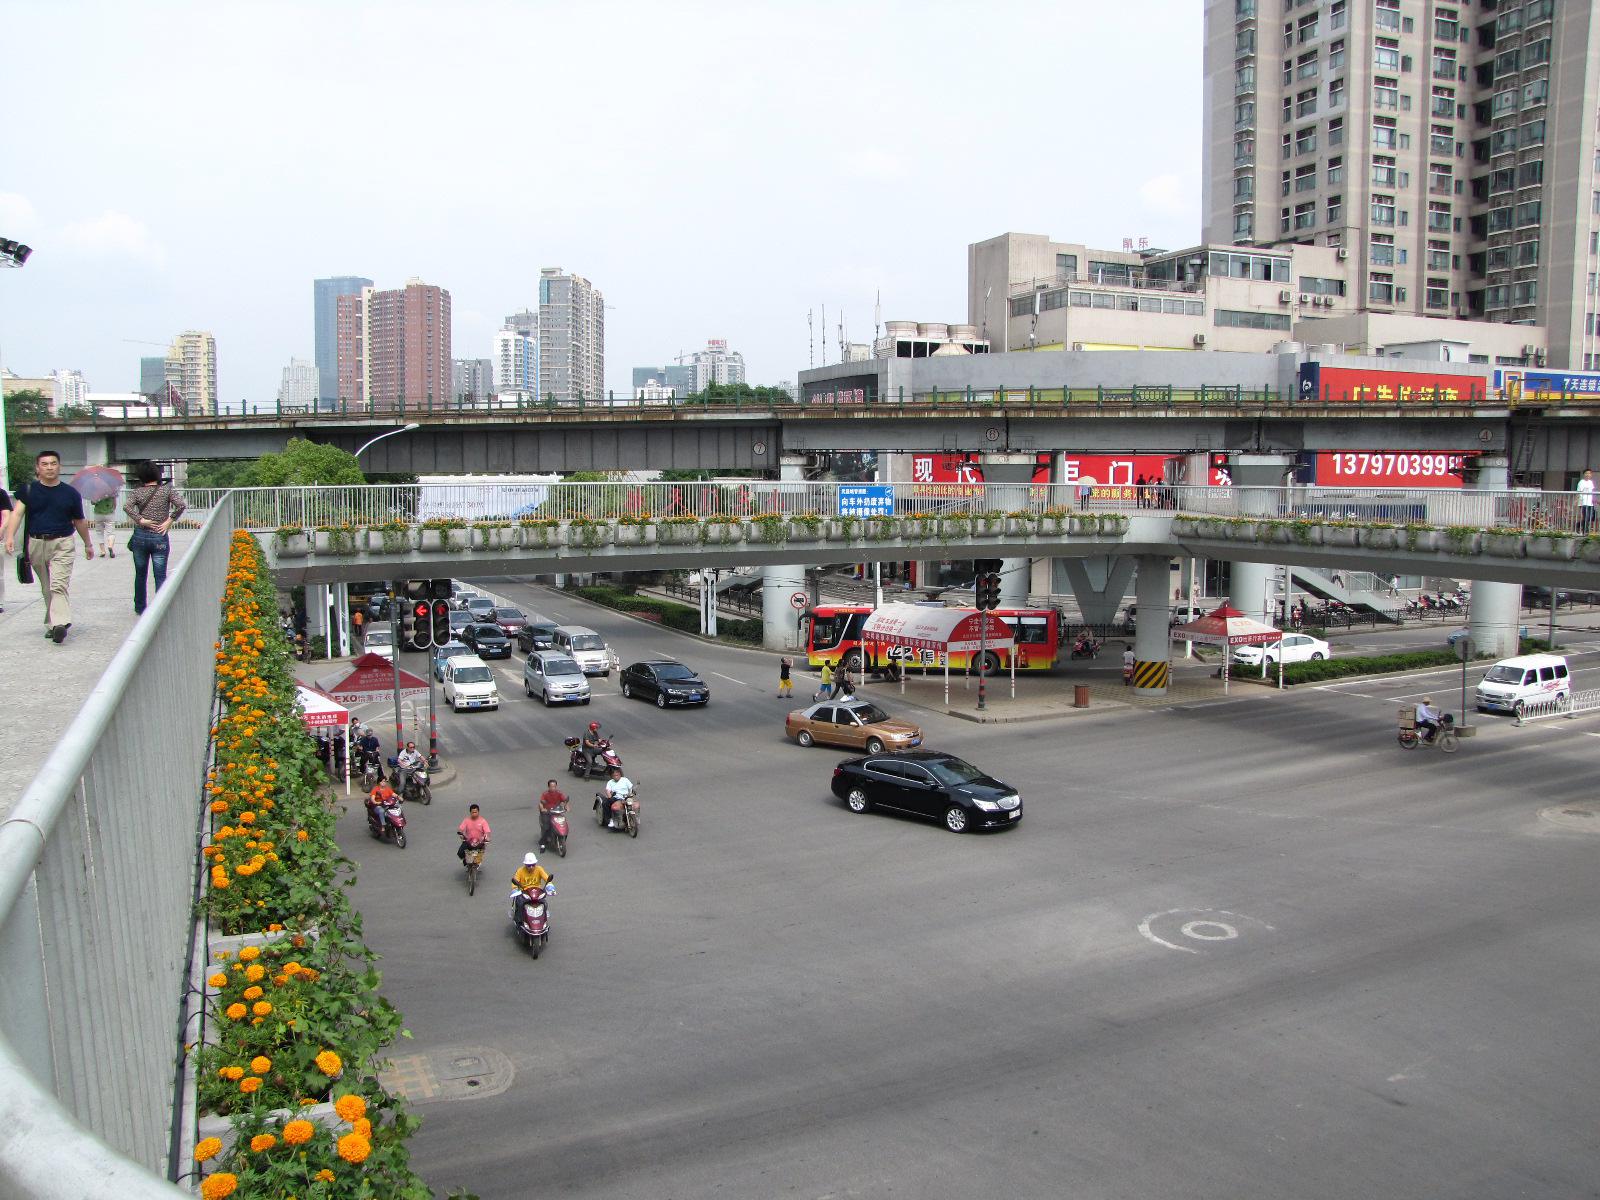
(249, 1084)
(253, 993)
(254, 972)
(301, 835)
(217, 1186)
(325, 1175)
(274, 928)
(236, 1011)
(354, 1148)
(260, 1065)
(263, 1141)
(329, 1064)
(219, 980)
(233, 1073)
(261, 1008)
(219, 806)
(363, 1127)
(250, 953)
(298, 1132)
(207, 1148)
(350, 1107)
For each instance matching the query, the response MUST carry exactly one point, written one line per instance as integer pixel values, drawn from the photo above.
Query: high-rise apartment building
(67, 387)
(1446, 150)
(715, 364)
(152, 377)
(297, 391)
(572, 338)
(671, 380)
(325, 296)
(191, 372)
(394, 347)
(471, 380)
(516, 361)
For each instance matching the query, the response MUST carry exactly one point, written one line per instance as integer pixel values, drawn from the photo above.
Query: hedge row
(671, 613)
(1379, 664)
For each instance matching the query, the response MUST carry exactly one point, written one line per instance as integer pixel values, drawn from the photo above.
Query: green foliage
(1380, 664)
(740, 393)
(674, 615)
(304, 463)
(219, 473)
(30, 404)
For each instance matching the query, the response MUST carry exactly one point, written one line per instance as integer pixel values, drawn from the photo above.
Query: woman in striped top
(153, 507)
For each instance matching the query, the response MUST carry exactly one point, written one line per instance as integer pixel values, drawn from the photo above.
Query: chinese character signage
(1517, 383)
(866, 500)
(1429, 469)
(943, 473)
(829, 394)
(1322, 384)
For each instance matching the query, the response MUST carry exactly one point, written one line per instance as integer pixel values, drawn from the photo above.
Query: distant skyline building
(572, 338)
(394, 347)
(516, 361)
(67, 387)
(677, 380)
(715, 364)
(152, 376)
(471, 380)
(326, 293)
(191, 371)
(298, 389)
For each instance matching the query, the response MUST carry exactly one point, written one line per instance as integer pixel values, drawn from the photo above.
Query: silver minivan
(584, 645)
(555, 678)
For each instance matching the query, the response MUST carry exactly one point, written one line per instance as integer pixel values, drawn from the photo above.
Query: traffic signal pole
(394, 657)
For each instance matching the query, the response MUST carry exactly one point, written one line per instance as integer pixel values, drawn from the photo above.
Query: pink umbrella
(97, 483)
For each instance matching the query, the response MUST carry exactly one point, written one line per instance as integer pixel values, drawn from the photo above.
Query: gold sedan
(853, 724)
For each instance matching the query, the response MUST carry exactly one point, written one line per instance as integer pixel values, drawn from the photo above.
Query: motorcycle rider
(529, 874)
(367, 747)
(548, 799)
(407, 761)
(378, 801)
(1427, 718)
(474, 831)
(591, 745)
(618, 788)
(1085, 645)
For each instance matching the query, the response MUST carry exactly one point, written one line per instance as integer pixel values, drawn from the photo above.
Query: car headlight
(988, 805)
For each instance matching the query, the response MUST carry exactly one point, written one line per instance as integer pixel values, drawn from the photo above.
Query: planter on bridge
(921, 527)
(1461, 539)
(292, 543)
(1113, 524)
(395, 538)
(1239, 530)
(341, 541)
(1589, 549)
(880, 529)
(721, 532)
(1504, 545)
(442, 540)
(678, 533)
(1021, 525)
(588, 534)
(493, 537)
(1380, 538)
(1424, 539)
(1082, 525)
(805, 531)
(1559, 547)
(541, 536)
(1052, 524)
(1341, 537)
(843, 529)
(635, 535)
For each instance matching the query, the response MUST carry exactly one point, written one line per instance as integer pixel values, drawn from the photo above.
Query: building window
(1537, 92)
(1444, 102)
(1234, 319)
(1336, 15)
(1532, 133)
(1336, 55)
(1335, 171)
(1386, 57)
(1525, 293)
(1383, 133)
(1067, 264)
(1382, 210)
(1444, 64)
(1321, 285)
(1381, 250)
(1244, 42)
(1336, 132)
(1387, 17)
(1335, 209)
(1444, 28)
(1305, 215)
(1305, 141)
(1503, 103)
(1383, 173)
(1243, 9)
(1438, 218)
(1528, 254)
(1442, 141)
(1438, 256)
(1244, 188)
(1438, 294)
(1305, 178)
(1380, 288)
(1529, 174)
(1335, 93)
(1305, 103)
(1385, 93)
(1307, 29)
(1264, 268)
(1527, 213)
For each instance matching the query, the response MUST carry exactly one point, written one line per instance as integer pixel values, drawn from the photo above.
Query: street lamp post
(13, 255)
(381, 436)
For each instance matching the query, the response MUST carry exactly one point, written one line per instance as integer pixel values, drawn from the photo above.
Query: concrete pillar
(1259, 480)
(1016, 576)
(316, 612)
(780, 620)
(1098, 584)
(1151, 650)
(1495, 609)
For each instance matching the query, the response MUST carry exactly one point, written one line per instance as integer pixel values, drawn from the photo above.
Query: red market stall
(369, 678)
(1228, 627)
(922, 634)
(319, 712)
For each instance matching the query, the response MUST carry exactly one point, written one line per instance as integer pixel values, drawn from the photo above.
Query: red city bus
(833, 634)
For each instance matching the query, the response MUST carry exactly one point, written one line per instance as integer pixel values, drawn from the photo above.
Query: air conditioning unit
(1199, 339)
(1341, 253)
(1304, 298)
(1529, 349)
(1077, 345)
(1285, 296)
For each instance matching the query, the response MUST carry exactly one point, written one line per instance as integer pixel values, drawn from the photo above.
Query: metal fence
(97, 886)
(262, 509)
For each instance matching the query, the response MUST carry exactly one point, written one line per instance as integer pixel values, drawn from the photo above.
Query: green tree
(219, 473)
(29, 404)
(740, 393)
(303, 464)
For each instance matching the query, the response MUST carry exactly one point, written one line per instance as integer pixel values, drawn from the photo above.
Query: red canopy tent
(318, 712)
(369, 678)
(932, 634)
(1228, 627)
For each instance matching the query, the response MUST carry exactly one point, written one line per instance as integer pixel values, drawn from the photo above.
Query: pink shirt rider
(474, 829)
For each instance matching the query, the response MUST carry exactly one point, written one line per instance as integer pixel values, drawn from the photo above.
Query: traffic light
(421, 619)
(408, 624)
(441, 621)
(440, 589)
(986, 586)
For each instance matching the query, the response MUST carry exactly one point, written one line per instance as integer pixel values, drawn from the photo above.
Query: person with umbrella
(153, 506)
(50, 512)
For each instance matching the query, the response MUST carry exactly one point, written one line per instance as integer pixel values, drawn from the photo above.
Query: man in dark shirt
(53, 511)
(5, 513)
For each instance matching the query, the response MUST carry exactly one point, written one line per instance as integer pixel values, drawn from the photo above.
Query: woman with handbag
(153, 507)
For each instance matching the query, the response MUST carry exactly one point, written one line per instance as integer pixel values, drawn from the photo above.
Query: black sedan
(487, 641)
(664, 681)
(536, 635)
(926, 783)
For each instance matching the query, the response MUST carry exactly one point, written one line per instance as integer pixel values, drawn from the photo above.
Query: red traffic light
(420, 610)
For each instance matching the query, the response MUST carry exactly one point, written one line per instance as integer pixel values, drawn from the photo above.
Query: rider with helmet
(592, 746)
(529, 874)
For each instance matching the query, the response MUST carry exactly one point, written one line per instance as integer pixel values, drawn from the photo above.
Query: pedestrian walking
(1586, 502)
(49, 513)
(843, 689)
(1127, 664)
(153, 506)
(1083, 495)
(358, 622)
(785, 684)
(825, 688)
(105, 512)
(5, 514)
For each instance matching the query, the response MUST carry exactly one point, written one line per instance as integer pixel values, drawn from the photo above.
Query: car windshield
(1504, 674)
(472, 675)
(377, 637)
(541, 631)
(954, 771)
(509, 614)
(490, 632)
(870, 713)
(673, 671)
(454, 650)
(561, 666)
(588, 641)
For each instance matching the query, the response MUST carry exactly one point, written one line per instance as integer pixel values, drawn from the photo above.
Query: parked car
(1535, 596)
(536, 635)
(442, 655)
(377, 641)
(487, 641)
(1295, 647)
(664, 681)
(927, 783)
(510, 619)
(481, 608)
(853, 724)
(469, 683)
(1458, 635)
(555, 678)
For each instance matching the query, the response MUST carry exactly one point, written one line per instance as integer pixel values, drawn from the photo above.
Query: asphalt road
(1248, 948)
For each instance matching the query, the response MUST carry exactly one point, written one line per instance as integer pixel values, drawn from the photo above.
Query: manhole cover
(449, 1073)
(1584, 816)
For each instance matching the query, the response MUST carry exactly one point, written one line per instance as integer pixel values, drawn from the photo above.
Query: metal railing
(1576, 705)
(266, 509)
(97, 886)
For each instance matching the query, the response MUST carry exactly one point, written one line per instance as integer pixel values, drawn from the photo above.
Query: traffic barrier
(1150, 676)
(1577, 704)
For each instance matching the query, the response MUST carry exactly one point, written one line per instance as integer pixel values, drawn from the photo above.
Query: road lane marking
(730, 679)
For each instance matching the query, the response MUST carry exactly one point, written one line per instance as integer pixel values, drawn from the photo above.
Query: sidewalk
(46, 684)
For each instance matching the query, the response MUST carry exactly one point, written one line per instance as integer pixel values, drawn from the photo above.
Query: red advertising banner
(1320, 383)
(960, 473)
(1426, 469)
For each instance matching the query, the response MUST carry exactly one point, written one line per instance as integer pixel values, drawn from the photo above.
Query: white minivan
(1512, 682)
(469, 683)
(584, 645)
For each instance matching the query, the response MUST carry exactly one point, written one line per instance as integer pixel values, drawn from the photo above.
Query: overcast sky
(716, 169)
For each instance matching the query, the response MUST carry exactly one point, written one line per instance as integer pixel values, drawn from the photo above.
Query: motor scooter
(530, 920)
(394, 828)
(629, 813)
(558, 829)
(413, 786)
(1089, 649)
(584, 767)
(371, 772)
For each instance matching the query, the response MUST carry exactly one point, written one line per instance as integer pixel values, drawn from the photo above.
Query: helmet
(594, 726)
(530, 859)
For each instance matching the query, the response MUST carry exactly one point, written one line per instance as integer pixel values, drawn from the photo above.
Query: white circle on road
(1225, 933)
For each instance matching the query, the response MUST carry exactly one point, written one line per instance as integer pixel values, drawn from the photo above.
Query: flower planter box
(1505, 545)
(232, 943)
(678, 535)
(1087, 525)
(955, 529)
(1188, 527)
(1424, 539)
(587, 537)
(636, 535)
(222, 1128)
(1113, 524)
(1053, 527)
(1560, 549)
(295, 545)
(494, 539)
(340, 541)
(797, 532)
(1021, 526)
(1380, 539)
(843, 529)
(985, 527)
(392, 541)
(721, 533)
(1343, 538)
(442, 541)
(1302, 534)
(1240, 531)
(1589, 550)
(541, 537)
(915, 529)
(880, 529)
(1461, 543)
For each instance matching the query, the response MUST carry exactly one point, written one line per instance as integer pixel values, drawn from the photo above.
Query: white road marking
(1204, 929)
(730, 679)
(1226, 932)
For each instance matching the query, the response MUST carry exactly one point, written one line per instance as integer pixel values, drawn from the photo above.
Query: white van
(1512, 682)
(584, 645)
(469, 683)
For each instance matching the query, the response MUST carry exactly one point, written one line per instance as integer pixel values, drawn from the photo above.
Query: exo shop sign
(1321, 384)
(1386, 469)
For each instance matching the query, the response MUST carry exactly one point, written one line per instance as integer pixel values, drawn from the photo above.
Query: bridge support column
(1258, 478)
(1495, 608)
(1016, 577)
(1098, 585)
(780, 619)
(1151, 649)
